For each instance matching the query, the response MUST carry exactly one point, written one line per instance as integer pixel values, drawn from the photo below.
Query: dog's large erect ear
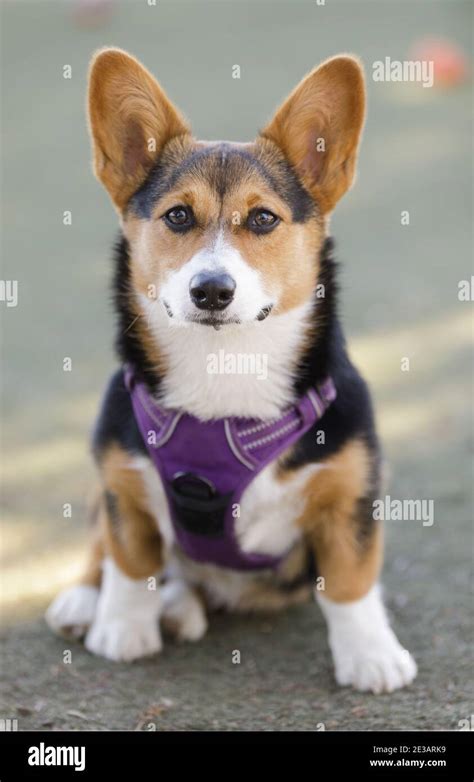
(130, 121)
(319, 125)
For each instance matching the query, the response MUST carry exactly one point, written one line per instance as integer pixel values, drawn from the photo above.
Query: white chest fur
(270, 509)
(192, 351)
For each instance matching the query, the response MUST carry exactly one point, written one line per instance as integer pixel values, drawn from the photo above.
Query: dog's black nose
(211, 291)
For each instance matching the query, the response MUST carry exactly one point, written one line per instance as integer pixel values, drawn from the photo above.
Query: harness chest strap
(205, 466)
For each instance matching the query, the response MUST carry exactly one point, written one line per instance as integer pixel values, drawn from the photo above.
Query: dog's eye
(262, 220)
(179, 217)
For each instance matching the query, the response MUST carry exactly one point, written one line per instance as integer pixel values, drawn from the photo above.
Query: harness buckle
(187, 484)
(197, 505)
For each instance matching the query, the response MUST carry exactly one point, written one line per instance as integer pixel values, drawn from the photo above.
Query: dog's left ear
(131, 119)
(319, 125)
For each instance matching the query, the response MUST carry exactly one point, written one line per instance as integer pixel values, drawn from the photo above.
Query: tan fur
(269, 594)
(130, 534)
(328, 104)
(92, 574)
(266, 597)
(261, 592)
(347, 559)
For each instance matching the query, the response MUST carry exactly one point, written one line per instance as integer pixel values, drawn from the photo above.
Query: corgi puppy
(222, 486)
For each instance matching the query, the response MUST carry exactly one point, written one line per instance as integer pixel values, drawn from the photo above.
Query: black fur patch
(351, 414)
(116, 421)
(127, 342)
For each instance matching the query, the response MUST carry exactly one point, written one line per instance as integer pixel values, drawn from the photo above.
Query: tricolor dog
(231, 489)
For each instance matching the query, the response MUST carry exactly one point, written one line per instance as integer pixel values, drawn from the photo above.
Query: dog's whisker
(132, 323)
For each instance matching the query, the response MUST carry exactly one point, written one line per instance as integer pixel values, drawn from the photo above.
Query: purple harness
(206, 466)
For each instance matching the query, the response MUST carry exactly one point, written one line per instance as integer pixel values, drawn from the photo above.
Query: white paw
(365, 650)
(183, 611)
(126, 622)
(377, 666)
(124, 639)
(73, 610)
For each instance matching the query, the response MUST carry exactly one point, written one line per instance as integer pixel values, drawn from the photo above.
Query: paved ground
(399, 290)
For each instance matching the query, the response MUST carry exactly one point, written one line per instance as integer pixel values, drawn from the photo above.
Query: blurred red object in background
(451, 65)
(92, 13)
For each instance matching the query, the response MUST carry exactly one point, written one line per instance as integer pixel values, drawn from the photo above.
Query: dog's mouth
(215, 320)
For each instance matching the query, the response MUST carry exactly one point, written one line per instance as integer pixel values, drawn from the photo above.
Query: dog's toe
(183, 613)
(379, 669)
(73, 611)
(123, 640)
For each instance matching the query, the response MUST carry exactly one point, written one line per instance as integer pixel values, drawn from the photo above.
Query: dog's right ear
(131, 119)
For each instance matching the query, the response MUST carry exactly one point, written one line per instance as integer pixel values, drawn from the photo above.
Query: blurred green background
(399, 299)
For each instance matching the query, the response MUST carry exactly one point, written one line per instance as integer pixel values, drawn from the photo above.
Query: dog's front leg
(365, 650)
(347, 544)
(126, 622)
